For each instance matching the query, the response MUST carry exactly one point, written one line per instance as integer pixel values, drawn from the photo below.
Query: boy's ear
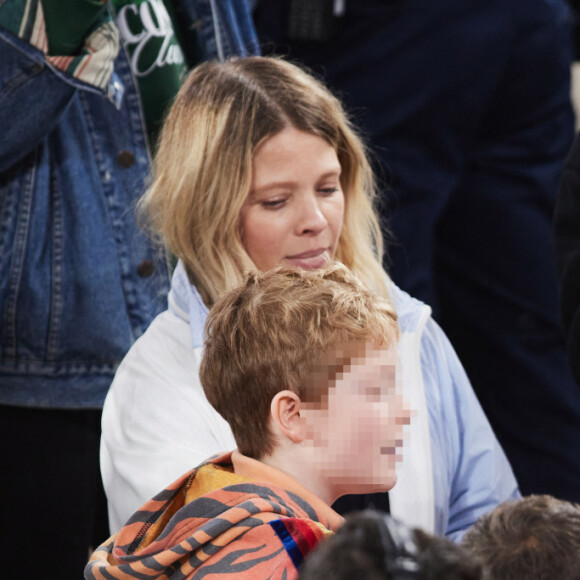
(285, 416)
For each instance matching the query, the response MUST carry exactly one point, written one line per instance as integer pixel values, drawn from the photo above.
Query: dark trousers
(466, 105)
(53, 504)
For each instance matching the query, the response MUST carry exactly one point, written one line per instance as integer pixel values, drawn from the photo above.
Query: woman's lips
(310, 260)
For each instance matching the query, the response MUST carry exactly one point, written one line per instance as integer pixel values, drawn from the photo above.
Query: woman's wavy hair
(202, 171)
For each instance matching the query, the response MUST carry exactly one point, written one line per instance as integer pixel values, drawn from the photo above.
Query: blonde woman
(258, 165)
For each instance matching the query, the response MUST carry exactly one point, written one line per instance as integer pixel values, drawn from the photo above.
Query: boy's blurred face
(358, 430)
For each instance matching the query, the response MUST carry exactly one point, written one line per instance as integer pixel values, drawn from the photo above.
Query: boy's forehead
(358, 354)
(363, 362)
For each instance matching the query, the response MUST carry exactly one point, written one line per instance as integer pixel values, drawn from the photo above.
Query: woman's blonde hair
(203, 167)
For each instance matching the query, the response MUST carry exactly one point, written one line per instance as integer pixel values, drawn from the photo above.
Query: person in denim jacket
(78, 281)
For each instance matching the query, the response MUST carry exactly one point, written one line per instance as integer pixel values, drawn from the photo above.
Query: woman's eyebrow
(289, 183)
(273, 185)
(332, 173)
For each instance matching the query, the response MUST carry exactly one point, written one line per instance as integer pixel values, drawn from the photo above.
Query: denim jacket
(79, 282)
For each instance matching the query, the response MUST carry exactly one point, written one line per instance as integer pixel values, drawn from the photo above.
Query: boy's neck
(301, 470)
(277, 475)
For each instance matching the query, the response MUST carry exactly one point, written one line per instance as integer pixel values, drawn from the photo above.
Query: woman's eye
(328, 190)
(273, 204)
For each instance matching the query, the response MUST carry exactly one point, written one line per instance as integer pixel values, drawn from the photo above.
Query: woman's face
(295, 208)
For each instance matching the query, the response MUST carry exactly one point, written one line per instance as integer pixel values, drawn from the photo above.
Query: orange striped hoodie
(231, 515)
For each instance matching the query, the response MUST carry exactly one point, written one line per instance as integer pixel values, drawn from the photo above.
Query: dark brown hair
(535, 538)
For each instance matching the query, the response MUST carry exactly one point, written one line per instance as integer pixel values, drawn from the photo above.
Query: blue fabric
(288, 542)
(189, 300)
(466, 103)
(72, 299)
(471, 474)
(224, 27)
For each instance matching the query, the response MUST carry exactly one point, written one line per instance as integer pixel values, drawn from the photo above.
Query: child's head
(375, 546)
(222, 115)
(325, 343)
(537, 537)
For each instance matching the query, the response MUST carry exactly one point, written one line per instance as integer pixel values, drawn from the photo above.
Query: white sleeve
(157, 423)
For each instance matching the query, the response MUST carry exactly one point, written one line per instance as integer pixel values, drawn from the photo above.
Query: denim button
(145, 268)
(126, 159)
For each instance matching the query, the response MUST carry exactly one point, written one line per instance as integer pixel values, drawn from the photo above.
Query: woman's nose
(311, 218)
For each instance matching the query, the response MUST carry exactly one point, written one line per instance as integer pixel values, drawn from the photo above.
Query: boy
(302, 365)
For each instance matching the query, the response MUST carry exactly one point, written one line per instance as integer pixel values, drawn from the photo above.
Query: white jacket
(157, 423)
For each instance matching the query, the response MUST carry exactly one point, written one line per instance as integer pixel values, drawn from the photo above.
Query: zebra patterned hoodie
(231, 515)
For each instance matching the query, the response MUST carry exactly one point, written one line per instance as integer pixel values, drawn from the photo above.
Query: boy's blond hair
(203, 168)
(270, 335)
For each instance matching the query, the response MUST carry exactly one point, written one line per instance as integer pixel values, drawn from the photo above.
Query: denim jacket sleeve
(79, 281)
(76, 283)
(33, 97)
(35, 89)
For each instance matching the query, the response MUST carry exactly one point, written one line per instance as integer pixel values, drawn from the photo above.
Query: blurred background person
(78, 280)
(371, 545)
(567, 238)
(534, 538)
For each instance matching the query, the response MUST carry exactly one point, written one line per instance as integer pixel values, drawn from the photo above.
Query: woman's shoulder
(157, 381)
(162, 354)
(422, 337)
(167, 334)
(412, 313)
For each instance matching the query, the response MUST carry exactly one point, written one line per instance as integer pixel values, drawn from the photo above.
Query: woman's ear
(285, 416)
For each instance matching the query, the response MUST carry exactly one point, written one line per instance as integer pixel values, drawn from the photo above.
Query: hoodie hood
(215, 522)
